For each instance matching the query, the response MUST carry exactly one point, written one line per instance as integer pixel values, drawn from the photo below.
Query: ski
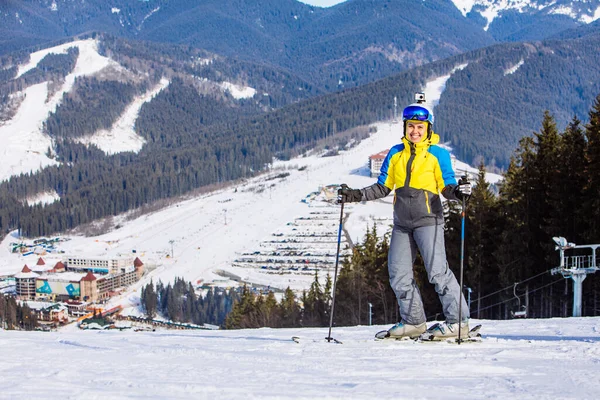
(297, 339)
(474, 336)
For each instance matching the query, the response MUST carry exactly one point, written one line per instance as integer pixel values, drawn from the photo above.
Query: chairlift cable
(512, 299)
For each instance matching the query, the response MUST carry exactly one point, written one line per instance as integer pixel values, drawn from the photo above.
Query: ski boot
(402, 330)
(446, 330)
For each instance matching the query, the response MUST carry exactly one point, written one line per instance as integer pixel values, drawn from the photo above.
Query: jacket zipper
(427, 201)
(409, 165)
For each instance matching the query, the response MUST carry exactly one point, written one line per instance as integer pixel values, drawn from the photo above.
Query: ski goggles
(417, 113)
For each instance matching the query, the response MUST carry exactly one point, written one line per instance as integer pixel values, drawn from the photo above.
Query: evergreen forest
(16, 316)
(179, 302)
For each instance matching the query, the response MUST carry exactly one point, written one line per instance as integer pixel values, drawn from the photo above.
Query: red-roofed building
(41, 261)
(89, 287)
(139, 267)
(376, 161)
(59, 267)
(25, 283)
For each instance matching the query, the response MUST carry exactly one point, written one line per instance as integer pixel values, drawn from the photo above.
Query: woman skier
(418, 170)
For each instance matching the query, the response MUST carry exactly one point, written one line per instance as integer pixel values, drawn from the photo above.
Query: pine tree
(480, 267)
(290, 311)
(592, 190)
(314, 306)
(149, 300)
(513, 254)
(547, 196)
(572, 182)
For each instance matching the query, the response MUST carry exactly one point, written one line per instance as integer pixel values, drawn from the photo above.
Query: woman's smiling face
(416, 131)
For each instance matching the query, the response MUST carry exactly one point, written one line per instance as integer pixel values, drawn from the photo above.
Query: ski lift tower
(575, 267)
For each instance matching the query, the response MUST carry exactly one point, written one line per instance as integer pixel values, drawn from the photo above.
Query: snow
(148, 16)
(514, 69)
(237, 91)
(25, 143)
(523, 359)
(322, 3)
(491, 9)
(464, 168)
(122, 135)
(464, 6)
(564, 10)
(434, 88)
(588, 19)
(65, 276)
(43, 198)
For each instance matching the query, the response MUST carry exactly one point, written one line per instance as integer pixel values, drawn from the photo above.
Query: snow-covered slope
(25, 145)
(581, 11)
(519, 359)
(122, 135)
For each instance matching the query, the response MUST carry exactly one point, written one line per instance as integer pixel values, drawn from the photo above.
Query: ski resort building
(25, 283)
(376, 161)
(49, 312)
(62, 284)
(101, 265)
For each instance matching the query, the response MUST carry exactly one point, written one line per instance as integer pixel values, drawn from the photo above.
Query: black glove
(347, 195)
(464, 189)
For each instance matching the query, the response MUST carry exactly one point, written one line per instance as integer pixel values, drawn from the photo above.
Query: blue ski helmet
(418, 112)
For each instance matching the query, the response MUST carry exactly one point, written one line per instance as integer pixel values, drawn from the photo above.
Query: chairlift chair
(521, 309)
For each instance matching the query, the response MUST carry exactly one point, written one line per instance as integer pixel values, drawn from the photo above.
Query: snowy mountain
(522, 359)
(334, 44)
(343, 46)
(527, 20)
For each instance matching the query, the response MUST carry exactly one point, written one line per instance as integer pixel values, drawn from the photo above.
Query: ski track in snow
(24, 142)
(434, 88)
(122, 135)
(515, 360)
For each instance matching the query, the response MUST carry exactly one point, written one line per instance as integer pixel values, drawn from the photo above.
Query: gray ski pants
(401, 257)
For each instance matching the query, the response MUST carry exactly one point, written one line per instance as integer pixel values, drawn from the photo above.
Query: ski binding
(474, 336)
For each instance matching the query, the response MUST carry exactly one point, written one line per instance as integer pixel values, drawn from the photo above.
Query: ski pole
(462, 259)
(337, 259)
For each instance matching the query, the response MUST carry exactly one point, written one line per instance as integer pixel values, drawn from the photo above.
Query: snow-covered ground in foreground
(519, 359)
(122, 136)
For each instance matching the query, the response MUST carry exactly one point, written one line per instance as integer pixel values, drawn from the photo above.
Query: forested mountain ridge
(197, 134)
(339, 47)
(352, 43)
